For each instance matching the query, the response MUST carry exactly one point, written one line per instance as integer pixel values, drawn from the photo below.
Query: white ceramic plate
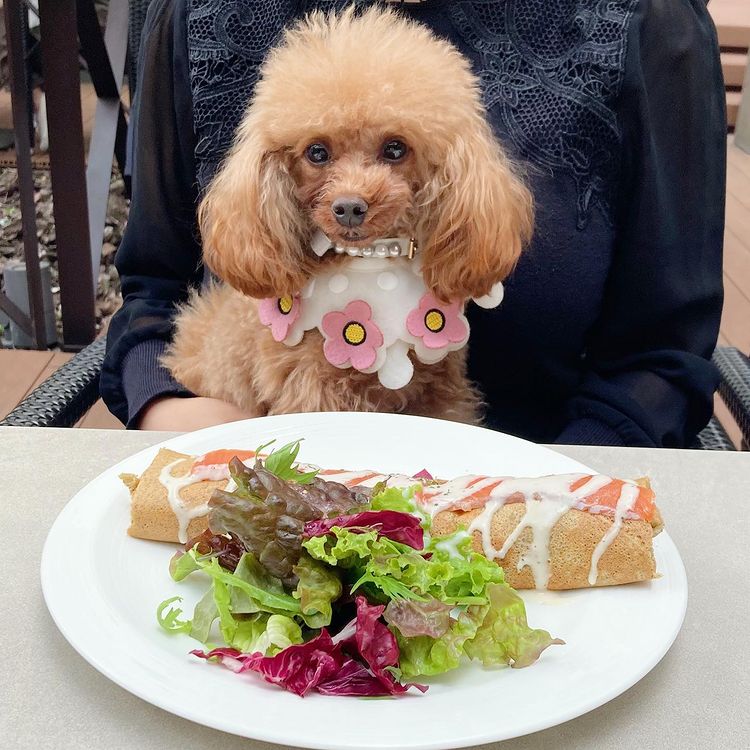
(102, 588)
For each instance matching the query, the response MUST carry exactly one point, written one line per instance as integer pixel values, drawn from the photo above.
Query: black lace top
(551, 72)
(614, 106)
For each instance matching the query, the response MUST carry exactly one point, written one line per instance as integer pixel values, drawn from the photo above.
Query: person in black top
(616, 112)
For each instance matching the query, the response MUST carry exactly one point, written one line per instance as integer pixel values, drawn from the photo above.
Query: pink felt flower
(351, 336)
(279, 313)
(438, 324)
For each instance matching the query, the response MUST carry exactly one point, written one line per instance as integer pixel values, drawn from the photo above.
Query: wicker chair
(66, 395)
(734, 391)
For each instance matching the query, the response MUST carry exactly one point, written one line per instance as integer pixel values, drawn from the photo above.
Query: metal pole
(742, 128)
(20, 91)
(105, 57)
(59, 40)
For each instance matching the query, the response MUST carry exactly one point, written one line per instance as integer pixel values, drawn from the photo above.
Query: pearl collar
(392, 247)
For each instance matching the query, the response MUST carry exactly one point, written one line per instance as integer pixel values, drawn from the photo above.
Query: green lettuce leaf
(453, 579)
(280, 632)
(354, 552)
(240, 601)
(394, 498)
(252, 587)
(204, 616)
(169, 619)
(248, 632)
(281, 462)
(422, 655)
(403, 500)
(242, 625)
(345, 548)
(504, 636)
(497, 634)
(261, 632)
(319, 586)
(223, 600)
(454, 576)
(182, 565)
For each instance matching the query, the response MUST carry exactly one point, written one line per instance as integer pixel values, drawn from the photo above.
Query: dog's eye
(317, 153)
(394, 150)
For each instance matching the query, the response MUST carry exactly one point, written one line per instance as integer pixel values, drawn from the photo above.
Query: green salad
(318, 587)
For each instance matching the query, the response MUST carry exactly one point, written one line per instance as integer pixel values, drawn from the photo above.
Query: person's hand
(186, 414)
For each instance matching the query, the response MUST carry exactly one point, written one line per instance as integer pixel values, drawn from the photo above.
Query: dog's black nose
(349, 210)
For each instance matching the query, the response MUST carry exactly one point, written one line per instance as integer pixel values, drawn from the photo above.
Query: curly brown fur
(351, 83)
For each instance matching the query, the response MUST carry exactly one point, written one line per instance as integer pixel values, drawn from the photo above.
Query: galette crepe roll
(551, 533)
(559, 532)
(169, 501)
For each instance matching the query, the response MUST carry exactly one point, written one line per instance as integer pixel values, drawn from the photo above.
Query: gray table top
(697, 697)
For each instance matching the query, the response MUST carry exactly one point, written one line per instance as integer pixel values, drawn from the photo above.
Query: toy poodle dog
(363, 203)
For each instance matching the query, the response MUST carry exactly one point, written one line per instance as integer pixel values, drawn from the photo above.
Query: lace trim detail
(553, 70)
(227, 40)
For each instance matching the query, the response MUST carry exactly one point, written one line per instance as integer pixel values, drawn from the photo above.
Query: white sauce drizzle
(451, 545)
(174, 485)
(547, 500)
(628, 495)
(400, 481)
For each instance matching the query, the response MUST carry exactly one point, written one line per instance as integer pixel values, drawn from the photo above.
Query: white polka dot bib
(371, 311)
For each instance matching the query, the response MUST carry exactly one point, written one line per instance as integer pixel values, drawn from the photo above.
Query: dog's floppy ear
(251, 225)
(478, 217)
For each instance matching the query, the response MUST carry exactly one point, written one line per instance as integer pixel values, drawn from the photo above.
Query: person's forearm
(186, 414)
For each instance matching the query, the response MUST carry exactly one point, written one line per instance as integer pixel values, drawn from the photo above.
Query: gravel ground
(108, 297)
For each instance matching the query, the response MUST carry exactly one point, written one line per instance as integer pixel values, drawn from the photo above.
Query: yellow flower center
(285, 305)
(354, 333)
(434, 320)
